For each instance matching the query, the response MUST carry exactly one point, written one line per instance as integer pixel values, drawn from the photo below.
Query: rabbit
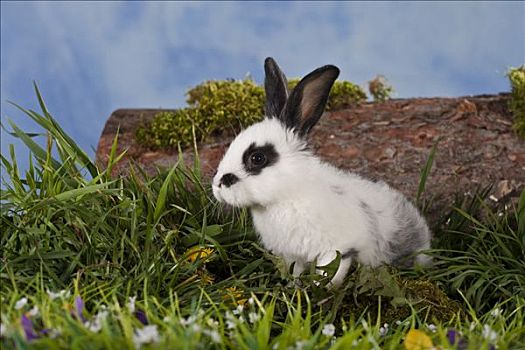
(304, 209)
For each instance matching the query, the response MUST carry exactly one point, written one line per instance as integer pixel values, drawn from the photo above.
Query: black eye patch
(256, 158)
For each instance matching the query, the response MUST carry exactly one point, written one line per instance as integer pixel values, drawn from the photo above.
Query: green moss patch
(224, 106)
(517, 102)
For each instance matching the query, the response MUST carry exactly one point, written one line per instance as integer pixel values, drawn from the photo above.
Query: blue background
(90, 58)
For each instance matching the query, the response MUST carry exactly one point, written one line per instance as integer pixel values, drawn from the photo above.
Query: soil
(388, 141)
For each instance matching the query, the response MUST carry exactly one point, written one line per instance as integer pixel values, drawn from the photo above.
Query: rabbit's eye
(258, 159)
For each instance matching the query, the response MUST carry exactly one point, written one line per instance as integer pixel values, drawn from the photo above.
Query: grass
(153, 262)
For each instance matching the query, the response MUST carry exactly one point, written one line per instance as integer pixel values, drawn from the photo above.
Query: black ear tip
(333, 69)
(269, 63)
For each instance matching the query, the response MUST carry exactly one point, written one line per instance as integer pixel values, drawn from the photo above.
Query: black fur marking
(229, 179)
(409, 238)
(351, 253)
(251, 158)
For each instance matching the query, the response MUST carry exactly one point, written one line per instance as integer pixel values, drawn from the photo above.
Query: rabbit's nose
(228, 180)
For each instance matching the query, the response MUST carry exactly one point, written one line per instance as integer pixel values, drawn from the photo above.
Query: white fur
(305, 209)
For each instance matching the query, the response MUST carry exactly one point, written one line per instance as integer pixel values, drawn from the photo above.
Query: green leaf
(425, 172)
(163, 193)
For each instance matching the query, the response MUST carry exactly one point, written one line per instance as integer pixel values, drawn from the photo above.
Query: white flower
(148, 334)
(251, 301)
(131, 304)
(3, 330)
(496, 312)
(214, 335)
(62, 294)
(300, 344)
(196, 328)
(95, 325)
(472, 326)
(238, 310)
(33, 312)
(432, 327)
(55, 333)
(21, 303)
(328, 330)
(253, 317)
(488, 333)
(383, 330)
(188, 321)
(212, 323)
(166, 319)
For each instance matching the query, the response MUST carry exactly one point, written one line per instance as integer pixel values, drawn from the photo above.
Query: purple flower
(454, 338)
(79, 308)
(141, 316)
(27, 325)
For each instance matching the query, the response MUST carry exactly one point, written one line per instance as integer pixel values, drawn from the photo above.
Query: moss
(224, 106)
(383, 292)
(517, 101)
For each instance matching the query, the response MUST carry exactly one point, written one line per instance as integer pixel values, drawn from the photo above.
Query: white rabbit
(304, 209)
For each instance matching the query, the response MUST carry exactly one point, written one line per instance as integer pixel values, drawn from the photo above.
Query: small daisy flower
(21, 303)
(3, 330)
(496, 312)
(328, 330)
(488, 333)
(230, 320)
(432, 327)
(62, 294)
(212, 323)
(238, 310)
(251, 301)
(253, 317)
(131, 304)
(95, 325)
(148, 334)
(188, 321)
(383, 330)
(33, 312)
(214, 335)
(300, 344)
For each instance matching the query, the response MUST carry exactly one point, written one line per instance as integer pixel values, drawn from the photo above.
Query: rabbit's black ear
(308, 99)
(276, 88)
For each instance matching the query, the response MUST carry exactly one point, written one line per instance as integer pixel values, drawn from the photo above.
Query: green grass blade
(425, 172)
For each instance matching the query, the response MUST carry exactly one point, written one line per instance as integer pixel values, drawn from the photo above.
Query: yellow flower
(417, 340)
(206, 278)
(199, 252)
(235, 295)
